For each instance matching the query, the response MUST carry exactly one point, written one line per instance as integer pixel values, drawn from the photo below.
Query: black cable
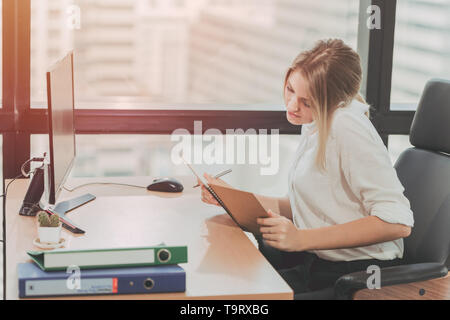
(3, 241)
(4, 218)
(4, 238)
(7, 186)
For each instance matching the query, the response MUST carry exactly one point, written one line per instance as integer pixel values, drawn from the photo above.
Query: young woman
(345, 208)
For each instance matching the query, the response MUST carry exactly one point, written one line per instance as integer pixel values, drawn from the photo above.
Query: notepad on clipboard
(243, 207)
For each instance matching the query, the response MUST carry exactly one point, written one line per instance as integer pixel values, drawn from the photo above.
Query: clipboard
(243, 207)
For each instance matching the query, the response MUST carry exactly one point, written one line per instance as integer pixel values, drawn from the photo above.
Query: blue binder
(34, 282)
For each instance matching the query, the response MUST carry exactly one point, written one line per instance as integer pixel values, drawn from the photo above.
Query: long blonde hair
(333, 74)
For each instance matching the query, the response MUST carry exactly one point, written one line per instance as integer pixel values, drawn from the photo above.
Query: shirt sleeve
(366, 166)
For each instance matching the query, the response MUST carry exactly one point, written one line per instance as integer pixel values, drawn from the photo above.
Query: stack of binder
(103, 271)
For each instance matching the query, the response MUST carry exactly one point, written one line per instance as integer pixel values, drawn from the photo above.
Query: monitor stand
(66, 206)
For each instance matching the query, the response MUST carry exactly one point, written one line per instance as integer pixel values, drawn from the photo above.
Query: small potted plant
(49, 229)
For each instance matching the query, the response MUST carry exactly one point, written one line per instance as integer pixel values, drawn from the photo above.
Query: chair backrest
(424, 171)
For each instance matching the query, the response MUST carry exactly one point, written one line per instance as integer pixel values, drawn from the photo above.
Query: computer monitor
(60, 94)
(61, 110)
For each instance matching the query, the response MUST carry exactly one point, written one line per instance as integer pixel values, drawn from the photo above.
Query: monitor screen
(61, 123)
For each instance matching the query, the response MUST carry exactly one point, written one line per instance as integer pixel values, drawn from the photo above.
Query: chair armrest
(346, 285)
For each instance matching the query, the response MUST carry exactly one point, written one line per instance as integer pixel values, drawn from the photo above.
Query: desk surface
(223, 261)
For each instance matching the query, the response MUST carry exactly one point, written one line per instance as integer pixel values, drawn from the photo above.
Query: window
(185, 61)
(172, 52)
(421, 47)
(398, 144)
(149, 155)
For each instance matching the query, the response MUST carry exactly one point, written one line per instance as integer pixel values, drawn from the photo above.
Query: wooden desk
(223, 262)
(434, 289)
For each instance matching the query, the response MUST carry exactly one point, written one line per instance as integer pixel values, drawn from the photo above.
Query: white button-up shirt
(359, 181)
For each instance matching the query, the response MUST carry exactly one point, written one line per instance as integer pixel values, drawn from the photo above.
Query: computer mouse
(165, 185)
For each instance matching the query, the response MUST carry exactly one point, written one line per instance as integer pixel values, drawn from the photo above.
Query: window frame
(377, 47)
(16, 84)
(18, 121)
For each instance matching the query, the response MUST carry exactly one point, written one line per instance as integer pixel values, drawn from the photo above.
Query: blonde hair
(333, 74)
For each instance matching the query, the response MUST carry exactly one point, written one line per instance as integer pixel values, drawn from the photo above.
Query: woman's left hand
(279, 232)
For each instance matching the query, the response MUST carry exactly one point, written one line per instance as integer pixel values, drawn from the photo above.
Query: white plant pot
(50, 235)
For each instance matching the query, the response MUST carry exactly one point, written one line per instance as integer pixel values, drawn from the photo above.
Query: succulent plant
(54, 220)
(43, 219)
(48, 221)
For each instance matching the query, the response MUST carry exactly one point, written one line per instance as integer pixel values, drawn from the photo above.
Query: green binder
(61, 259)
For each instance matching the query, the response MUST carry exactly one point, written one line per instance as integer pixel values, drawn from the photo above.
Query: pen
(217, 176)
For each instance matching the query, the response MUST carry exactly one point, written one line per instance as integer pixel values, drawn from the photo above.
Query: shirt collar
(309, 128)
(354, 107)
(357, 107)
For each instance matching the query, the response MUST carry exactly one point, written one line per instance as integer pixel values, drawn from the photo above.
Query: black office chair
(424, 171)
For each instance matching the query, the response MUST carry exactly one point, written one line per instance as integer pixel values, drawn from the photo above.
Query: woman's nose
(293, 105)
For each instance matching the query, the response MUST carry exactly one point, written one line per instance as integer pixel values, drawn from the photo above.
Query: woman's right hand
(206, 196)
